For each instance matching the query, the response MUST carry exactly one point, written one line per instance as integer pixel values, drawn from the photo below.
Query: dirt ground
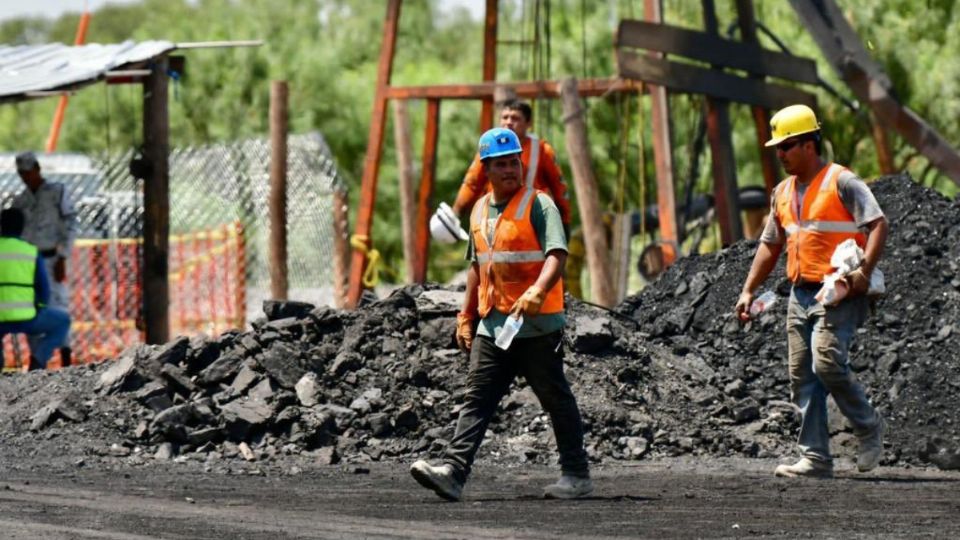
(662, 499)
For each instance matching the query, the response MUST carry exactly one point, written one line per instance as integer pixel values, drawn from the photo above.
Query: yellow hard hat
(792, 121)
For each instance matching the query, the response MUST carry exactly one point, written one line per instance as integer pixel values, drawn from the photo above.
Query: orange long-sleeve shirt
(547, 178)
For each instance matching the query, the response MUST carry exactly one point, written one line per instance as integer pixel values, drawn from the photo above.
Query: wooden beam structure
(842, 47)
(725, 191)
(688, 78)
(489, 60)
(279, 284)
(371, 163)
(408, 208)
(638, 73)
(761, 116)
(156, 202)
(523, 89)
(428, 175)
(715, 50)
(663, 154)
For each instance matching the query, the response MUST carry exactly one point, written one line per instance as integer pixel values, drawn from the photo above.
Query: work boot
(65, 356)
(569, 487)
(806, 468)
(871, 448)
(440, 479)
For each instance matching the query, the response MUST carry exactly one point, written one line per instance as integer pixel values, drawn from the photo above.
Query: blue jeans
(818, 341)
(51, 325)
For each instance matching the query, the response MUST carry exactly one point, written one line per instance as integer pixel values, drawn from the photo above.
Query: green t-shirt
(545, 218)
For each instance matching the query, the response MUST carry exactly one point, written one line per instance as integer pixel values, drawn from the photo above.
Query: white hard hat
(445, 227)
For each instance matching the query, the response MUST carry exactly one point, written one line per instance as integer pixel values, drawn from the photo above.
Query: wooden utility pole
(428, 175)
(279, 285)
(594, 235)
(371, 161)
(156, 202)
(761, 117)
(401, 137)
(489, 61)
(663, 154)
(725, 192)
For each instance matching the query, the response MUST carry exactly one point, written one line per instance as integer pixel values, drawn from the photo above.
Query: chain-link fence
(219, 232)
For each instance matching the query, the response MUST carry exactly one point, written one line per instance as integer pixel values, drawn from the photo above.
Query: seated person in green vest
(25, 290)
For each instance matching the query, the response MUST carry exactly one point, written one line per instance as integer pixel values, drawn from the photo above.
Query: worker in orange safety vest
(516, 252)
(539, 165)
(819, 206)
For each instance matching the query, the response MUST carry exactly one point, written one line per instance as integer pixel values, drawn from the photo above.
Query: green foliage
(328, 50)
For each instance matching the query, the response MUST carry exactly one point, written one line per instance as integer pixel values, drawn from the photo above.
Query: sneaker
(871, 448)
(568, 487)
(806, 468)
(440, 479)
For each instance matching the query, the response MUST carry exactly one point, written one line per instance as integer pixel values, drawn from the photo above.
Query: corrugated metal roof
(55, 66)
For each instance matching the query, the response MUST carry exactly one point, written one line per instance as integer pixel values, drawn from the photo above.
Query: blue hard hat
(498, 142)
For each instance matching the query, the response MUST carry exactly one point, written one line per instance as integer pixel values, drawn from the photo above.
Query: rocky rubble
(669, 372)
(905, 355)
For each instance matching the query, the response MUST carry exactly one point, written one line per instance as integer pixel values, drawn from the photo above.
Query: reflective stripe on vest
(814, 226)
(510, 259)
(18, 266)
(511, 256)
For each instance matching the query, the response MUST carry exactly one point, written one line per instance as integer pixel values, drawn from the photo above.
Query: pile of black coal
(905, 355)
(669, 372)
(386, 382)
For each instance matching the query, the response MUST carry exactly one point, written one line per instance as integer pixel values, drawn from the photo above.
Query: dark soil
(669, 373)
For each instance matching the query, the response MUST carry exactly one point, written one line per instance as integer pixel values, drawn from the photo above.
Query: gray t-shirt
(854, 194)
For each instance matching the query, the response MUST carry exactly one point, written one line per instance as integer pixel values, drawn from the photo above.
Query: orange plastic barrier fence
(207, 293)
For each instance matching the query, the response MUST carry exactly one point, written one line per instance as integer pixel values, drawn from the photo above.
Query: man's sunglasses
(787, 146)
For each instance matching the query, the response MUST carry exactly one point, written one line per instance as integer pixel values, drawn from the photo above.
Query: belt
(48, 253)
(808, 285)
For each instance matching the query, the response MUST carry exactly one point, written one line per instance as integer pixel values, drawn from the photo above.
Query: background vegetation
(328, 51)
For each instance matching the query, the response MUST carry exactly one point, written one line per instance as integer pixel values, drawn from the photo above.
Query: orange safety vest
(815, 227)
(514, 261)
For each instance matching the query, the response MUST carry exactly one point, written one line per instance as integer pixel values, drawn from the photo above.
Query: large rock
(591, 334)
(282, 362)
(244, 415)
(122, 374)
(174, 352)
(247, 377)
(282, 309)
(222, 369)
(201, 353)
(307, 389)
(178, 380)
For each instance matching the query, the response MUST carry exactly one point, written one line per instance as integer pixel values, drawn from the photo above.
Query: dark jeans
(540, 361)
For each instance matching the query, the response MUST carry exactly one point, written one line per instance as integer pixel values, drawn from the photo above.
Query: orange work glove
(529, 302)
(465, 331)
